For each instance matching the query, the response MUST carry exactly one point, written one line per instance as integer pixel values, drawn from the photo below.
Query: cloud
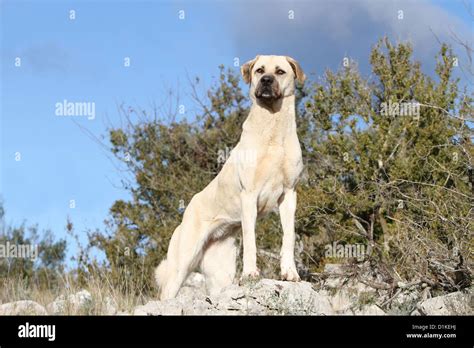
(323, 32)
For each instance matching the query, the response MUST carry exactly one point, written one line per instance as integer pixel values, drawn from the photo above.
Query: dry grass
(103, 295)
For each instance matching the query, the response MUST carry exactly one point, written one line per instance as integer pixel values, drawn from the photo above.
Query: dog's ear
(246, 69)
(300, 76)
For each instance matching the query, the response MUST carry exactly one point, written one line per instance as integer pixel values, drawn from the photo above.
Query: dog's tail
(163, 271)
(161, 274)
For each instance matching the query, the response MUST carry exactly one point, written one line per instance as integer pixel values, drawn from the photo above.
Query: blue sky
(82, 60)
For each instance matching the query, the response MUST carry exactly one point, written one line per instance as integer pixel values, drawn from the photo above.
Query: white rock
(342, 301)
(291, 298)
(188, 293)
(333, 282)
(71, 304)
(195, 280)
(406, 297)
(264, 297)
(110, 307)
(25, 307)
(168, 307)
(82, 297)
(370, 310)
(456, 303)
(199, 307)
(150, 308)
(171, 307)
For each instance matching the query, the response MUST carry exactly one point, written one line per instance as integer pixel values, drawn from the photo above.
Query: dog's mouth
(267, 95)
(267, 92)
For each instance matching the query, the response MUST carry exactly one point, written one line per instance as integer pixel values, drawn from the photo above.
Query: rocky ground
(331, 295)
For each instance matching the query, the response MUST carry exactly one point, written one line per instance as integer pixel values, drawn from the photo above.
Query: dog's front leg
(287, 210)
(249, 215)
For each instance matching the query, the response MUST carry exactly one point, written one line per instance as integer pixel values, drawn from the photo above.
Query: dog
(244, 190)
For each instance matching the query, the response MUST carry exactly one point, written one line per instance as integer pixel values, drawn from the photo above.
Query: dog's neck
(282, 107)
(276, 121)
(274, 107)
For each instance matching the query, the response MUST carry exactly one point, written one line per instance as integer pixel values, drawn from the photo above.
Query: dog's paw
(290, 274)
(248, 277)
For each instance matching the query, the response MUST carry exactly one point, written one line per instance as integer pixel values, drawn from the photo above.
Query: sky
(48, 159)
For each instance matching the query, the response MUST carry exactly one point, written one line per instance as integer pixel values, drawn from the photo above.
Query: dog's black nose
(267, 79)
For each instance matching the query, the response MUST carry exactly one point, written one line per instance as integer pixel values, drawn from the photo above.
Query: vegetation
(45, 261)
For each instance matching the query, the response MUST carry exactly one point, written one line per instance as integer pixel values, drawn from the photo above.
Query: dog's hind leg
(219, 263)
(189, 251)
(193, 236)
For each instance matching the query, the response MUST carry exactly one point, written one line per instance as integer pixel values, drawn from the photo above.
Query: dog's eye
(280, 72)
(259, 71)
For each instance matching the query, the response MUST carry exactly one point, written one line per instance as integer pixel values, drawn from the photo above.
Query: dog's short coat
(247, 187)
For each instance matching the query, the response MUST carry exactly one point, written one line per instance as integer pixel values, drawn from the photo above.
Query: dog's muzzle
(267, 88)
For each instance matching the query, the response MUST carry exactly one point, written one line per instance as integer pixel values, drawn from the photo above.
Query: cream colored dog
(260, 175)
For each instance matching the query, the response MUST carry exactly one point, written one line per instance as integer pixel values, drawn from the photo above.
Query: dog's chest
(278, 162)
(279, 169)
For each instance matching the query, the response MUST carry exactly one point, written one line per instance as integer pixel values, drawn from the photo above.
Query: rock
(168, 307)
(349, 294)
(171, 307)
(404, 303)
(25, 307)
(406, 297)
(333, 272)
(291, 298)
(81, 298)
(236, 300)
(265, 297)
(456, 303)
(71, 304)
(188, 293)
(190, 300)
(370, 310)
(150, 308)
(342, 302)
(195, 280)
(110, 307)
(273, 297)
(198, 307)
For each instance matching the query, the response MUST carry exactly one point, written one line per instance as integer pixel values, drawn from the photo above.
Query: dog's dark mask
(268, 89)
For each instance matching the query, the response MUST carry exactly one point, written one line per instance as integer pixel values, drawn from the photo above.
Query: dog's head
(272, 77)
